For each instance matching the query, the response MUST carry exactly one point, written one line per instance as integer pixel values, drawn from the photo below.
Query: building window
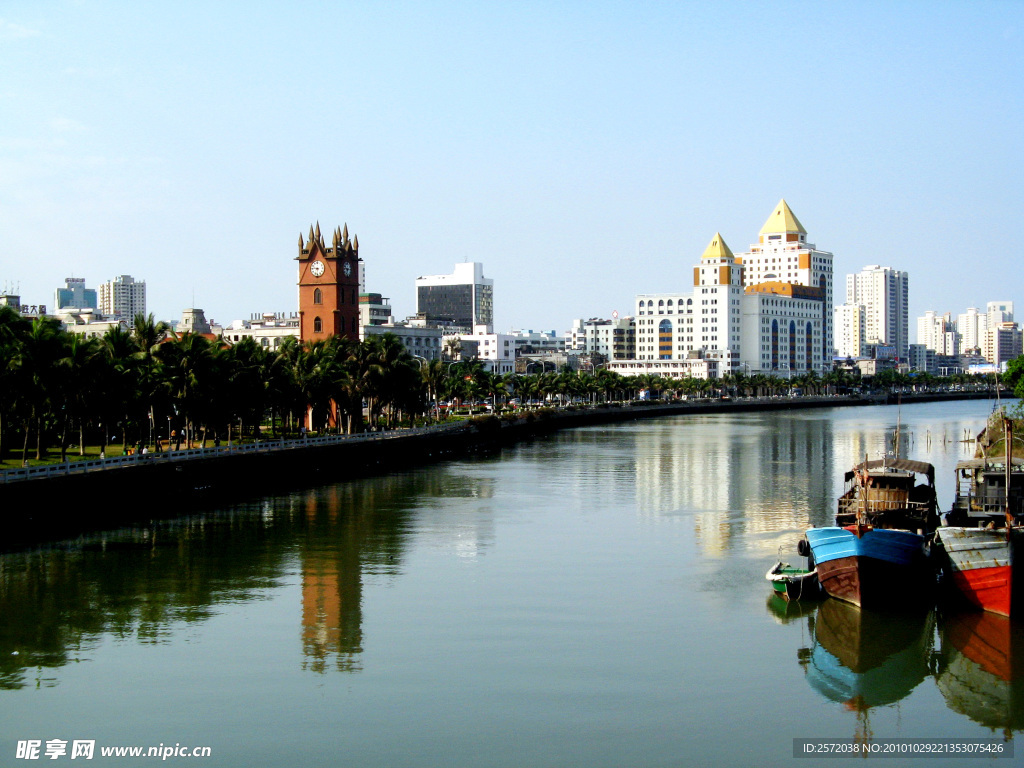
(318, 296)
(318, 326)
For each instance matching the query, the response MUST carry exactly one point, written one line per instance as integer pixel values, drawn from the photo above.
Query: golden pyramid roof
(717, 249)
(782, 220)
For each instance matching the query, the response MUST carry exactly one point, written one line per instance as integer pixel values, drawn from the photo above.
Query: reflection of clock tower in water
(328, 286)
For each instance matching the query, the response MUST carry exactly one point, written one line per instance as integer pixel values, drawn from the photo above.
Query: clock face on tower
(316, 268)
(347, 268)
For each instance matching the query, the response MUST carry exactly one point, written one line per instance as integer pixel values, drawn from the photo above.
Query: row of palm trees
(59, 388)
(140, 387)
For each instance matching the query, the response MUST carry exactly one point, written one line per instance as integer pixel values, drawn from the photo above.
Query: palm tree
(452, 348)
(78, 364)
(390, 378)
(13, 327)
(147, 335)
(315, 377)
(244, 367)
(433, 379)
(283, 392)
(35, 362)
(190, 365)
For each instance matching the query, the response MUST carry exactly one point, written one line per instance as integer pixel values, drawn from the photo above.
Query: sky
(584, 152)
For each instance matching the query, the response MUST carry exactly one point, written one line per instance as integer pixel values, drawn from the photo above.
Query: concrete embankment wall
(64, 506)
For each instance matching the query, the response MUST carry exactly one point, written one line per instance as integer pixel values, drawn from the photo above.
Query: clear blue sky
(583, 151)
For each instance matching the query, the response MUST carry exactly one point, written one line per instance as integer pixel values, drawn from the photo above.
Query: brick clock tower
(328, 286)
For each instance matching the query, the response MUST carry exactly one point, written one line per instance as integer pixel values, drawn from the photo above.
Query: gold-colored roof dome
(782, 220)
(717, 249)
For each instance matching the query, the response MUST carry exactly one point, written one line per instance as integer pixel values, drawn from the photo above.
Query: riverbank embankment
(65, 500)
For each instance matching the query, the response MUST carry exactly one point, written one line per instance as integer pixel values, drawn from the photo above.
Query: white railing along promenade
(189, 454)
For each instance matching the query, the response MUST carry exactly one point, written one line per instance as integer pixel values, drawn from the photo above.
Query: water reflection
(864, 659)
(764, 474)
(980, 669)
(56, 604)
(144, 584)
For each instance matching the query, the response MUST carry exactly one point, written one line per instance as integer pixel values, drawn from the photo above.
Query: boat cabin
(981, 490)
(885, 493)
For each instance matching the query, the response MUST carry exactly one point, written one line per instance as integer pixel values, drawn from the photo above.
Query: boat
(985, 535)
(877, 554)
(793, 583)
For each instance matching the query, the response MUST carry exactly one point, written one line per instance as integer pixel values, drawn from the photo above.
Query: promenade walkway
(83, 467)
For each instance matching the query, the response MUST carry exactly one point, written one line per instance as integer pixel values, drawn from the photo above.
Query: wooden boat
(985, 536)
(877, 554)
(794, 583)
(873, 567)
(980, 563)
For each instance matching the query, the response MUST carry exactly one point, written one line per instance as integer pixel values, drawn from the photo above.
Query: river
(592, 598)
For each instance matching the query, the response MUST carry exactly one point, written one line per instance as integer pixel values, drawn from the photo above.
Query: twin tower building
(768, 310)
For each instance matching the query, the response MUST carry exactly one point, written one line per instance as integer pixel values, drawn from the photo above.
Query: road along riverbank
(56, 502)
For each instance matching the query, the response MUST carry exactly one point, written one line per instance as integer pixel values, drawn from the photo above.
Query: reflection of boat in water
(864, 659)
(877, 553)
(981, 669)
(985, 535)
(786, 611)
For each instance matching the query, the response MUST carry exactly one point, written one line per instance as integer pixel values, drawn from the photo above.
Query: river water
(594, 598)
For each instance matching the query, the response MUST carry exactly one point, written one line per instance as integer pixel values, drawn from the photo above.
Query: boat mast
(862, 517)
(896, 436)
(1008, 451)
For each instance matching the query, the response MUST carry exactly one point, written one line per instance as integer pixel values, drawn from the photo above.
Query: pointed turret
(718, 249)
(300, 241)
(336, 238)
(783, 221)
(309, 240)
(344, 234)
(355, 243)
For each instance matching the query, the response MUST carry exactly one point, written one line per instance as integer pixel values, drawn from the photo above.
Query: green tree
(35, 363)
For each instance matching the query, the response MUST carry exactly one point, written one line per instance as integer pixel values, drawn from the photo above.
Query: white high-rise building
(883, 292)
(463, 299)
(999, 312)
(784, 254)
(123, 298)
(938, 333)
(971, 325)
(849, 327)
(773, 327)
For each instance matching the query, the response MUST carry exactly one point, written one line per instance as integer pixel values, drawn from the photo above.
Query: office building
(75, 295)
(463, 300)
